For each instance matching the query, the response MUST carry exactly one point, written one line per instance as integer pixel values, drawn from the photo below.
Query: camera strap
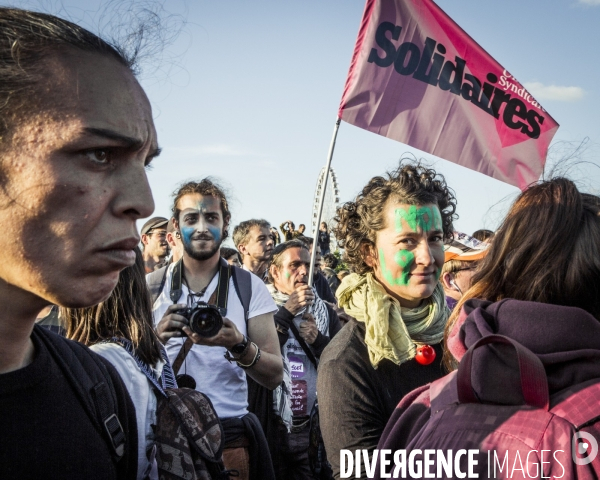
(218, 298)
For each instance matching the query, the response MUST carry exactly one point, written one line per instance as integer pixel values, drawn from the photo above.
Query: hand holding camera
(227, 336)
(201, 322)
(172, 323)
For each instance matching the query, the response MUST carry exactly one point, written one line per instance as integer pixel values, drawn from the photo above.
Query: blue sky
(249, 91)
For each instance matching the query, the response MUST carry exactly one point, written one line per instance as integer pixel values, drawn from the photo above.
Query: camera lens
(206, 321)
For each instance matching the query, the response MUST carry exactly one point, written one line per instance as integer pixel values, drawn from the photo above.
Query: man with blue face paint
(247, 343)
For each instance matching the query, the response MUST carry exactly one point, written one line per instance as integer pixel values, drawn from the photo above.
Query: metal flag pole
(313, 257)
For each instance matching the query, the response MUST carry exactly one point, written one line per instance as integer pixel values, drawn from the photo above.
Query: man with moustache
(245, 345)
(254, 240)
(302, 336)
(154, 242)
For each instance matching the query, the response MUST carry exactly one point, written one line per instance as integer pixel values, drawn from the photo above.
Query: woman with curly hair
(393, 234)
(538, 286)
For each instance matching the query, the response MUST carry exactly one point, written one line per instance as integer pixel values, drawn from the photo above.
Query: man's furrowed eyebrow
(128, 142)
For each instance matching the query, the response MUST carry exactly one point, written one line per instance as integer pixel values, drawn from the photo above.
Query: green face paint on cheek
(404, 259)
(287, 275)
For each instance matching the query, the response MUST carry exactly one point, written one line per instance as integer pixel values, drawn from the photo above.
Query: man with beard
(247, 342)
(254, 241)
(154, 242)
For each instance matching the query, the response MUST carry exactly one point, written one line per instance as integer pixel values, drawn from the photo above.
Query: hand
(171, 324)
(308, 330)
(227, 337)
(300, 298)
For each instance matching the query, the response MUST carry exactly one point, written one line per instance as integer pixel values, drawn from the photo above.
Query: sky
(247, 92)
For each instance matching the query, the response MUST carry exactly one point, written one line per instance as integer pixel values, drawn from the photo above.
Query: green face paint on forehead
(404, 259)
(425, 218)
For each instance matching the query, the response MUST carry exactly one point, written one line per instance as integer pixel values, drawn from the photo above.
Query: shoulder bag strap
(304, 345)
(159, 385)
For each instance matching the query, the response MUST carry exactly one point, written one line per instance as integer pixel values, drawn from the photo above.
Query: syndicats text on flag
(418, 78)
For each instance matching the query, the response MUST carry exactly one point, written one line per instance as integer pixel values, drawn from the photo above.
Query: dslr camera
(204, 319)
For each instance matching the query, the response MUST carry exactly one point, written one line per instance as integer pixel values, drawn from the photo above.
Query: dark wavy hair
(126, 313)
(546, 250)
(206, 187)
(357, 222)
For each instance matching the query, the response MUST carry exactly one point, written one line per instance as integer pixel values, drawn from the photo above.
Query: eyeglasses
(465, 269)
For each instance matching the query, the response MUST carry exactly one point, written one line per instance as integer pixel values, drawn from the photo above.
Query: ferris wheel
(331, 202)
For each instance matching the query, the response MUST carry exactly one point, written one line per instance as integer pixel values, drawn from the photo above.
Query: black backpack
(89, 377)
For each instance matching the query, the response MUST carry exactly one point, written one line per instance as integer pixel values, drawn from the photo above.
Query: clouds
(556, 92)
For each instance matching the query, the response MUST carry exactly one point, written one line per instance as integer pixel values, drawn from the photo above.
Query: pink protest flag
(418, 78)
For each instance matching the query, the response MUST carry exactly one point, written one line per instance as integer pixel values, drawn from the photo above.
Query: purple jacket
(565, 339)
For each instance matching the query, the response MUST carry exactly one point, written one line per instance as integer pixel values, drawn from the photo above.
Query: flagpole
(313, 257)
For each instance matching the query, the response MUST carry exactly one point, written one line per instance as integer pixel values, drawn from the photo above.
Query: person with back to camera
(324, 239)
(393, 235)
(76, 134)
(117, 329)
(538, 285)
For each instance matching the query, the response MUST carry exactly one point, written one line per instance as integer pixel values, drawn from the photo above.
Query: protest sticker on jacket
(418, 78)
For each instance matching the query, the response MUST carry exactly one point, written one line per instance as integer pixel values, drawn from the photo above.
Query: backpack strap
(176, 281)
(534, 383)
(156, 282)
(579, 404)
(242, 282)
(92, 385)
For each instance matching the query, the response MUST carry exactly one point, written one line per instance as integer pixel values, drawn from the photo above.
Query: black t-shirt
(44, 431)
(356, 400)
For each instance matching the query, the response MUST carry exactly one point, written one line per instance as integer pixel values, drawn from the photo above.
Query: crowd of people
(163, 354)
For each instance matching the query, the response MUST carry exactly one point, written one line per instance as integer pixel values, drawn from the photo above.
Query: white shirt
(141, 393)
(223, 382)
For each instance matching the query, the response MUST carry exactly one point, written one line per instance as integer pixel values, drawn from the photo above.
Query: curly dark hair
(358, 222)
(207, 187)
